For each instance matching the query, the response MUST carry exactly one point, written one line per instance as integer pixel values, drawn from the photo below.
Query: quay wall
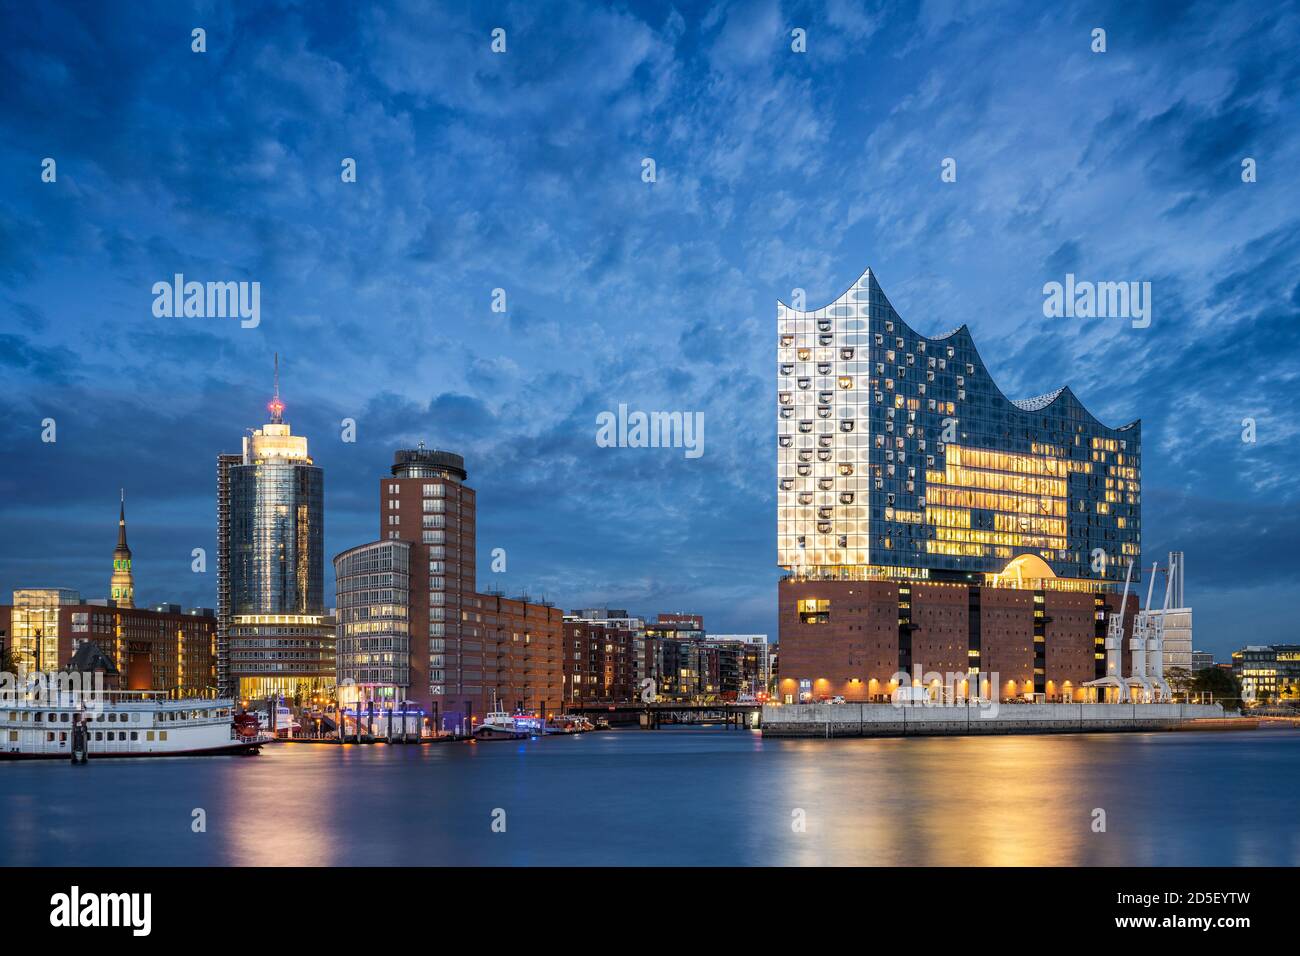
(888, 720)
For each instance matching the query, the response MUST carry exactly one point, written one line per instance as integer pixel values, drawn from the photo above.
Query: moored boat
(123, 724)
(569, 724)
(498, 725)
(279, 720)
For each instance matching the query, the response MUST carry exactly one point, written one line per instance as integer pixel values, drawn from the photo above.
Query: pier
(932, 720)
(656, 715)
(333, 738)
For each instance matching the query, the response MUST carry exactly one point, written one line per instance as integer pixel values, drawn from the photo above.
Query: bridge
(655, 715)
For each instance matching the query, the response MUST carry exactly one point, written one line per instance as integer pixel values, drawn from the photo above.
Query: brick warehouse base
(887, 720)
(849, 638)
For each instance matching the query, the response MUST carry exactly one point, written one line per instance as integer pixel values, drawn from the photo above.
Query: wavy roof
(1037, 403)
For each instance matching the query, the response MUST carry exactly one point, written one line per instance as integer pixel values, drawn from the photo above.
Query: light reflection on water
(677, 796)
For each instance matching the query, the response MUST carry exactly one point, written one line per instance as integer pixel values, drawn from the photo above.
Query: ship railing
(260, 737)
(73, 697)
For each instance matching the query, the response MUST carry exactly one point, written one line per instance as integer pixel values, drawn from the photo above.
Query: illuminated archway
(1022, 571)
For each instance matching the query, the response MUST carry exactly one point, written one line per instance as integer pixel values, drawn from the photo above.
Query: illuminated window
(814, 611)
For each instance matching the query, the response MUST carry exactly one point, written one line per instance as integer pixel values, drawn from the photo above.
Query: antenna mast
(276, 406)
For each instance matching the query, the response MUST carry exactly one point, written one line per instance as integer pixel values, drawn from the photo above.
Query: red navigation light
(276, 407)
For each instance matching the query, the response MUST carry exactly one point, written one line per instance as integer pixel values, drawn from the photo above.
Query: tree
(1221, 684)
(1180, 680)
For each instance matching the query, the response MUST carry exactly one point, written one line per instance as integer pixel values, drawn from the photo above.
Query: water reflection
(678, 796)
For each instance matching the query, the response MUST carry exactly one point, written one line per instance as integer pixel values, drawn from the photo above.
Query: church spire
(122, 585)
(121, 525)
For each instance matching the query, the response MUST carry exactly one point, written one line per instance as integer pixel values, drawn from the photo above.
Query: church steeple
(122, 584)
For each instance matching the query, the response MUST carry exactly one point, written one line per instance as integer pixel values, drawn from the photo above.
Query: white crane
(1115, 646)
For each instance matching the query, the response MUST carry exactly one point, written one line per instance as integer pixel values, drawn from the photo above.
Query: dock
(932, 720)
(365, 740)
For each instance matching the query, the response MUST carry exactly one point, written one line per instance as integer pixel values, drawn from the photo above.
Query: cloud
(522, 171)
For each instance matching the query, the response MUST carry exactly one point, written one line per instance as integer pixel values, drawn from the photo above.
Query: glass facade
(274, 638)
(898, 456)
(277, 541)
(374, 605)
(34, 623)
(288, 655)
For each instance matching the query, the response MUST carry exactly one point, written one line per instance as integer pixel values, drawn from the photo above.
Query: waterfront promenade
(928, 720)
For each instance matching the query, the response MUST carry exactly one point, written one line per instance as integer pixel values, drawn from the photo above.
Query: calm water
(677, 796)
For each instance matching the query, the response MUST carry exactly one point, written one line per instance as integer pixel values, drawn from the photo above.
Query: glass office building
(274, 635)
(899, 457)
(276, 536)
(374, 610)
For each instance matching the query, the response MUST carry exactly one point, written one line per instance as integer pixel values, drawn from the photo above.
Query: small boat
(499, 725)
(283, 726)
(560, 725)
(569, 724)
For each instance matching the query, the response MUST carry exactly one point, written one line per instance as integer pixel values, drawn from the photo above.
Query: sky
(525, 171)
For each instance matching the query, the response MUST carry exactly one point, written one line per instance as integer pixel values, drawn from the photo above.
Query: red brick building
(851, 638)
(161, 648)
(511, 646)
(432, 637)
(600, 663)
(426, 502)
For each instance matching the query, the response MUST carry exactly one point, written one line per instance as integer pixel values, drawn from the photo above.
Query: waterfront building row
(1268, 672)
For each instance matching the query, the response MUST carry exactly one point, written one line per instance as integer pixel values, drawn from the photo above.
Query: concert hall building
(928, 525)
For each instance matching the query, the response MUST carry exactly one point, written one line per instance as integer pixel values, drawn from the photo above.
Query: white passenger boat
(123, 724)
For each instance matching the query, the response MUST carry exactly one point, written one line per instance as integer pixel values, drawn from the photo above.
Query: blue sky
(523, 171)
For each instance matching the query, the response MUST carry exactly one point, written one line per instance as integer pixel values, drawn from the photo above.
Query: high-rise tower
(270, 565)
(121, 586)
(411, 624)
(899, 457)
(930, 524)
(425, 501)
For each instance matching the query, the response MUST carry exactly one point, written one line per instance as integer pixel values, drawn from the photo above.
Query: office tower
(373, 608)
(424, 500)
(278, 640)
(412, 625)
(224, 464)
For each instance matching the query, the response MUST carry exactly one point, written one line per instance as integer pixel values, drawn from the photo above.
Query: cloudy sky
(522, 171)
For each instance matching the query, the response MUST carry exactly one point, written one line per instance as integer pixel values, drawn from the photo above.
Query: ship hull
(226, 750)
(492, 733)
